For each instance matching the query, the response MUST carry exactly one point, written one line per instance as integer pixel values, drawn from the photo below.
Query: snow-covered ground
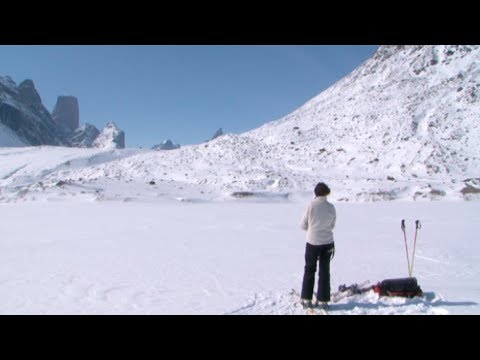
(231, 257)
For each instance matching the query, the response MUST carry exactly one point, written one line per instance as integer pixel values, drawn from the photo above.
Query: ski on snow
(354, 289)
(342, 293)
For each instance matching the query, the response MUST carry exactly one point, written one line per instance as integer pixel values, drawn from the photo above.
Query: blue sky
(183, 93)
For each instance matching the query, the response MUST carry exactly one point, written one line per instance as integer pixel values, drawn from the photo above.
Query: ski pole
(417, 227)
(406, 247)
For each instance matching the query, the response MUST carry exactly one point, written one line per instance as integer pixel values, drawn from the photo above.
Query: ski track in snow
(13, 172)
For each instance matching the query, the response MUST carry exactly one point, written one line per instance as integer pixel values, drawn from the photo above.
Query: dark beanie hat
(322, 189)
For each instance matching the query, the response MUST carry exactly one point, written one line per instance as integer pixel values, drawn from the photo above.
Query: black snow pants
(322, 254)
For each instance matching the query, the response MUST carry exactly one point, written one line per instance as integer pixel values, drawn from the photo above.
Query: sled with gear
(403, 287)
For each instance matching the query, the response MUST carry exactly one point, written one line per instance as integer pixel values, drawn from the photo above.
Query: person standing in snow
(319, 221)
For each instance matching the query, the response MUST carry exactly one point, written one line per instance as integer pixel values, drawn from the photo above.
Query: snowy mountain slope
(33, 172)
(9, 138)
(408, 111)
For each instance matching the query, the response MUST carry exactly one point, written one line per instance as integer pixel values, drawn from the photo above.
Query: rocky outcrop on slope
(110, 137)
(22, 111)
(84, 136)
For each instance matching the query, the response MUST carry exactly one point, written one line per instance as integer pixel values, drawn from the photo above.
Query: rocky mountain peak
(28, 93)
(67, 112)
(110, 137)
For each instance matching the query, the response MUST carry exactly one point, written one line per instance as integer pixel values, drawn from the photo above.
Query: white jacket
(319, 221)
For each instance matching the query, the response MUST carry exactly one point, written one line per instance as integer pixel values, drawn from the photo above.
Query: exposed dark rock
(61, 183)
(66, 112)
(218, 133)
(28, 94)
(22, 111)
(84, 136)
(242, 194)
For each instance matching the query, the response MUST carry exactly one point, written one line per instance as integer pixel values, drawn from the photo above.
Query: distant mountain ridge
(166, 145)
(22, 111)
(403, 125)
